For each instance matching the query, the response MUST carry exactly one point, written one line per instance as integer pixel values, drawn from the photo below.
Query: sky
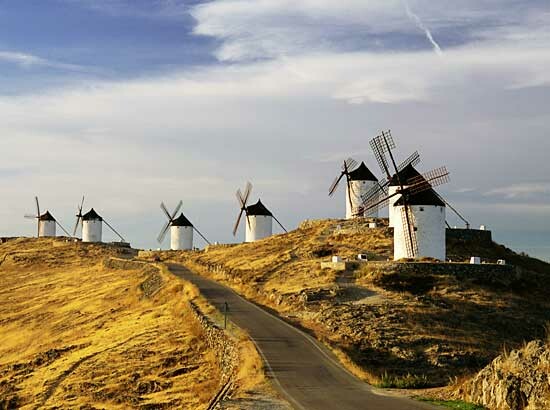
(134, 102)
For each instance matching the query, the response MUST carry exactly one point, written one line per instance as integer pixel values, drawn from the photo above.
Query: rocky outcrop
(517, 381)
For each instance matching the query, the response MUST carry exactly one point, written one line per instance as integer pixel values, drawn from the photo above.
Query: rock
(518, 381)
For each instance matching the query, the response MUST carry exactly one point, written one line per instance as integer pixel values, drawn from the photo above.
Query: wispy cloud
(29, 61)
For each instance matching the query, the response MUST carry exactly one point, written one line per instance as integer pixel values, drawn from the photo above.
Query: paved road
(304, 371)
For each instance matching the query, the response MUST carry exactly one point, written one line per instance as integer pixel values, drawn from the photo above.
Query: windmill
(181, 230)
(46, 222)
(421, 232)
(92, 225)
(359, 180)
(259, 219)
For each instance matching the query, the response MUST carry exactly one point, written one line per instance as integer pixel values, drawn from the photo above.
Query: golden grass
(75, 333)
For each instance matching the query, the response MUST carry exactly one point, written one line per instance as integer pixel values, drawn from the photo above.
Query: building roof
(427, 198)
(46, 217)
(362, 173)
(405, 175)
(92, 216)
(258, 209)
(181, 221)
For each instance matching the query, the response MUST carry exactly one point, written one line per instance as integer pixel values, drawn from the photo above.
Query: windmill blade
(378, 203)
(247, 192)
(78, 218)
(280, 224)
(411, 243)
(38, 217)
(63, 229)
(113, 229)
(163, 232)
(29, 216)
(413, 160)
(381, 145)
(176, 210)
(350, 164)
(376, 192)
(37, 206)
(335, 184)
(454, 210)
(430, 179)
(240, 198)
(372, 196)
(238, 222)
(165, 210)
(349, 193)
(201, 235)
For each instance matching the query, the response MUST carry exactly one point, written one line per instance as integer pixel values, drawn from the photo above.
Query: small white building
(259, 223)
(361, 180)
(46, 225)
(92, 227)
(181, 234)
(405, 175)
(427, 213)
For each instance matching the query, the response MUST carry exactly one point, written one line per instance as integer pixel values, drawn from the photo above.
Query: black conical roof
(181, 221)
(92, 216)
(258, 209)
(362, 173)
(405, 175)
(46, 217)
(428, 198)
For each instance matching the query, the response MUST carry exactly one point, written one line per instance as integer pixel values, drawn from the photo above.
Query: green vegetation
(453, 404)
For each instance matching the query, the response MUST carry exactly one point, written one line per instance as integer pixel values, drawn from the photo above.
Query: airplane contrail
(420, 24)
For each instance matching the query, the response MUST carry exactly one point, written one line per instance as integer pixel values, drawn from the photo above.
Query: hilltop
(393, 324)
(85, 326)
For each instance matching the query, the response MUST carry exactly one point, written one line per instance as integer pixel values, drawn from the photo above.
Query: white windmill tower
(420, 232)
(92, 225)
(46, 222)
(359, 181)
(181, 230)
(426, 213)
(259, 219)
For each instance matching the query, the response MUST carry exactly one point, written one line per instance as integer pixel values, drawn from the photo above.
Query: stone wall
(470, 235)
(224, 347)
(486, 274)
(153, 282)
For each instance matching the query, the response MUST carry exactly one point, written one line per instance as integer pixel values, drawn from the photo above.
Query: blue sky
(134, 102)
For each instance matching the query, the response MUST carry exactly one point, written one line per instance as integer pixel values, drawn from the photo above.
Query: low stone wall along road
(304, 371)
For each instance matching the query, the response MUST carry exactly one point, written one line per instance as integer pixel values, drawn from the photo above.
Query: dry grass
(435, 324)
(77, 334)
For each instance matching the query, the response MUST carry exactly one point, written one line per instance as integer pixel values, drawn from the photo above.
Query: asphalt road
(303, 370)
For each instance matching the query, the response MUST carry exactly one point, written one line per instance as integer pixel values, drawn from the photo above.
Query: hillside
(394, 324)
(80, 330)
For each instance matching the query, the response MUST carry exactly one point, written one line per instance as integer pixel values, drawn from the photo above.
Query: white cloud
(255, 29)
(522, 191)
(198, 135)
